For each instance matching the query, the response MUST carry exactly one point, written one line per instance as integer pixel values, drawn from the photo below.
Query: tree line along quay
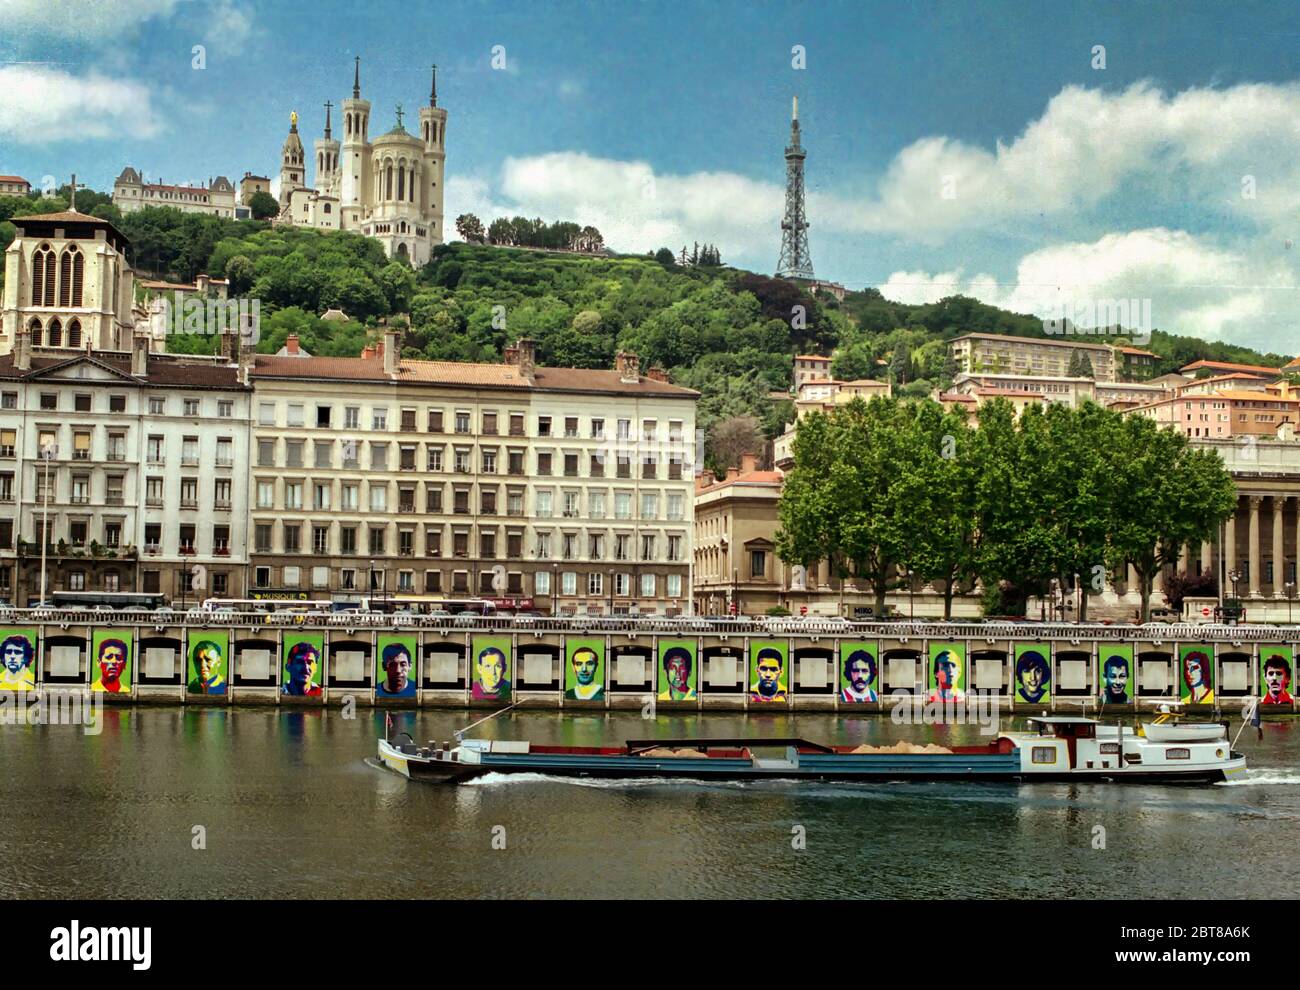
(1066, 497)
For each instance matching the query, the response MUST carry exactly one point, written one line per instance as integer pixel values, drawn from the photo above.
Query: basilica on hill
(390, 188)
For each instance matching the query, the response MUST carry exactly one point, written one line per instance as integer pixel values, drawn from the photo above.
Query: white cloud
(1089, 145)
(632, 206)
(44, 105)
(81, 20)
(1192, 286)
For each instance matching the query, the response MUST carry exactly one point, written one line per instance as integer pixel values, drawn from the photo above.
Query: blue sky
(973, 147)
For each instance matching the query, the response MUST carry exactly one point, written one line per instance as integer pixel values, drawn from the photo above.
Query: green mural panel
(584, 670)
(110, 661)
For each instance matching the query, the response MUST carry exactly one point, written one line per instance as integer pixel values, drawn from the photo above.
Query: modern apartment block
(568, 490)
(1003, 354)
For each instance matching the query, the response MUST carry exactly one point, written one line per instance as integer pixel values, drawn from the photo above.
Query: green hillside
(730, 334)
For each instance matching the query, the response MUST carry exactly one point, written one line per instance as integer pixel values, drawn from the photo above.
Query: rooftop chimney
(628, 366)
(291, 345)
(522, 356)
(392, 351)
(657, 375)
(748, 463)
(23, 350)
(140, 356)
(367, 353)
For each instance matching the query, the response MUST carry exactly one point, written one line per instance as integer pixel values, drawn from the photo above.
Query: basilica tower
(433, 134)
(293, 174)
(327, 159)
(354, 164)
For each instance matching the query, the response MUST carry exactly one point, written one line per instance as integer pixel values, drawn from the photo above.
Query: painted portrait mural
(1196, 674)
(769, 677)
(859, 670)
(302, 673)
(947, 672)
(1033, 673)
(110, 661)
(1115, 661)
(395, 667)
(584, 670)
(208, 664)
(490, 668)
(1275, 666)
(678, 673)
(18, 653)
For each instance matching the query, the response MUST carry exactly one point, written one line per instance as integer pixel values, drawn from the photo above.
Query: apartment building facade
(567, 490)
(131, 469)
(1020, 356)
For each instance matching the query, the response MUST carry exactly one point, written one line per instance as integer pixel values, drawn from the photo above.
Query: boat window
(1110, 749)
(1044, 754)
(1178, 753)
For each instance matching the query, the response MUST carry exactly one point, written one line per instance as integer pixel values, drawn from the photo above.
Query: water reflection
(290, 809)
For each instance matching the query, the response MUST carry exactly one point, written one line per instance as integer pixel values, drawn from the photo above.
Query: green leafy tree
(263, 206)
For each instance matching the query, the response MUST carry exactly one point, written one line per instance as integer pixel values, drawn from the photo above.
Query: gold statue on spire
(293, 118)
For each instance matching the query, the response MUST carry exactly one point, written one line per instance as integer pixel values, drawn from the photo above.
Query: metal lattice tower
(796, 260)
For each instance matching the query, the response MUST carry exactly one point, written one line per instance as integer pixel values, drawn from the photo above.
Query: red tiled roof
(811, 357)
(14, 178)
(1229, 365)
(162, 369)
(463, 373)
(1137, 352)
(750, 478)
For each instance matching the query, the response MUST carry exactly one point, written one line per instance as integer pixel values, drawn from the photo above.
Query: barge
(1057, 749)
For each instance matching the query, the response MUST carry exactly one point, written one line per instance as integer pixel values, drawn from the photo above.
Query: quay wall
(572, 664)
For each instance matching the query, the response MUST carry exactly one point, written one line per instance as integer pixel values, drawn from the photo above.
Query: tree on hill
(731, 439)
(470, 228)
(263, 206)
(1080, 366)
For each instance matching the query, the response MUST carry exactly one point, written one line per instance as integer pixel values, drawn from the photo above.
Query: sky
(1042, 157)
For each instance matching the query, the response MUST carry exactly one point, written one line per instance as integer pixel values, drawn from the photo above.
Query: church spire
(328, 104)
(356, 80)
(433, 89)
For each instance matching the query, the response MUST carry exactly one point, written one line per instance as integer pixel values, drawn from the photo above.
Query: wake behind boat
(1061, 748)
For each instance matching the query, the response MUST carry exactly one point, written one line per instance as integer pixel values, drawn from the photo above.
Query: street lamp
(1234, 577)
(1290, 596)
(911, 595)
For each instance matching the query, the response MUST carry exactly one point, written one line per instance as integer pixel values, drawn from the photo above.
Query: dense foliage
(1064, 495)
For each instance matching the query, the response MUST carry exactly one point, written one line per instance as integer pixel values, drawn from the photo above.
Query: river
(281, 804)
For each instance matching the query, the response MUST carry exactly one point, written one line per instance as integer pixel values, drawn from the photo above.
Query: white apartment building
(131, 468)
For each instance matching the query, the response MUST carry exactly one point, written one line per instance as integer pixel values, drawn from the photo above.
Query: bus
(264, 605)
(388, 604)
(115, 600)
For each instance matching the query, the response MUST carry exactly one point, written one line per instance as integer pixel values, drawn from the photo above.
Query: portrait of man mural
(490, 670)
(1114, 680)
(677, 681)
(584, 669)
(946, 676)
(1277, 679)
(1198, 678)
(1033, 677)
(394, 678)
(859, 677)
(208, 668)
(19, 662)
(302, 671)
(111, 658)
(769, 674)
